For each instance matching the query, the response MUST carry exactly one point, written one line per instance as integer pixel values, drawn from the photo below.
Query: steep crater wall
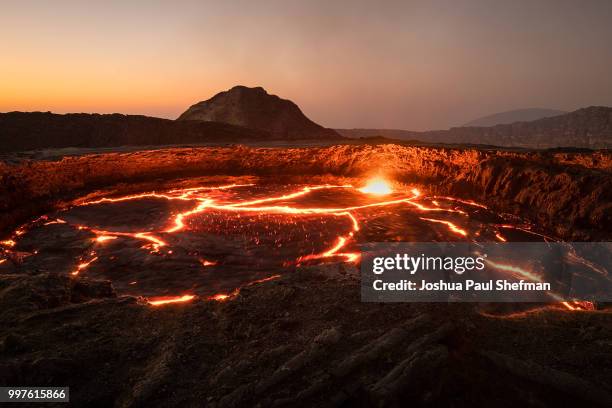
(566, 194)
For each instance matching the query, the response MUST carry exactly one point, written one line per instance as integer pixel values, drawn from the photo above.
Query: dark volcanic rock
(585, 128)
(255, 108)
(40, 130)
(345, 352)
(568, 193)
(518, 115)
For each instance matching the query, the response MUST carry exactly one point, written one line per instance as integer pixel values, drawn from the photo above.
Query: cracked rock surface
(302, 340)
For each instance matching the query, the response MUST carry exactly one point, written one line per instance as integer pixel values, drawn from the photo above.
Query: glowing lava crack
(372, 196)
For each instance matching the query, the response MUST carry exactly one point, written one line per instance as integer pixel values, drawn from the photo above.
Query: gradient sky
(379, 64)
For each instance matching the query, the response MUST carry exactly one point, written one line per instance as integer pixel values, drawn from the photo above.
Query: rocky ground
(303, 340)
(306, 339)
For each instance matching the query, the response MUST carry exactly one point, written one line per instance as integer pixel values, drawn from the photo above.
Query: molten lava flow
(170, 299)
(192, 190)
(220, 297)
(515, 270)
(104, 238)
(579, 305)
(523, 273)
(268, 279)
(527, 230)
(178, 219)
(332, 252)
(377, 186)
(8, 243)
(56, 221)
(156, 243)
(283, 197)
(133, 197)
(205, 200)
(176, 194)
(83, 265)
(500, 237)
(425, 208)
(466, 202)
(450, 225)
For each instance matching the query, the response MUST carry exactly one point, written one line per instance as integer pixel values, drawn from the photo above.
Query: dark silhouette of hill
(584, 128)
(38, 130)
(238, 115)
(518, 115)
(255, 108)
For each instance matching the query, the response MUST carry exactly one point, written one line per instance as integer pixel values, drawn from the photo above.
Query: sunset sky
(380, 64)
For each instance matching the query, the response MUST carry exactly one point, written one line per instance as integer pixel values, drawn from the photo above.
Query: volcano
(233, 272)
(256, 109)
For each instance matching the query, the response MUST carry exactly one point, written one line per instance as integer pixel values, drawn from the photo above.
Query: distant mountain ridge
(40, 130)
(238, 115)
(272, 118)
(517, 115)
(584, 128)
(256, 109)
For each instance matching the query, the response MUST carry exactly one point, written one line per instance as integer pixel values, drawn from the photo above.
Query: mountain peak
(245, 90)
(257, 109)
(513, 116)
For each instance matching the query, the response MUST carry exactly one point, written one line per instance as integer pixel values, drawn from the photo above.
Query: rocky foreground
(302, 340)
(306, 339)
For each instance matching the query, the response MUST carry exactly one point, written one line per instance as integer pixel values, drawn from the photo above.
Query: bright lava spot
(170, 299)
(515, 270)
(205, 262)
(500, 237)
(56, 221)
(377, 186)
(450, 225)
(220, 297)
(8, 243)
(104, 238)
(579, 305)
(83, 265)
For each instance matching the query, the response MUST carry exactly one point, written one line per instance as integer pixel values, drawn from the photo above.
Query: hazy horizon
(396, 65)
